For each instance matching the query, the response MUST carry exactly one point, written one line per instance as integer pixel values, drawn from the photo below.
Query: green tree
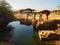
(6, 14)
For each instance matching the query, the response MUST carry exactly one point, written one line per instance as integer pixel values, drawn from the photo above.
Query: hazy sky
(34, 4)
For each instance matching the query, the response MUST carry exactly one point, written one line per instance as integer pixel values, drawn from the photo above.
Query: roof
(30, 9)
(27, 9)
(36, 11)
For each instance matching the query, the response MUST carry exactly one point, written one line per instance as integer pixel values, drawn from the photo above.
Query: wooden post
(40, 17)
(27, 15)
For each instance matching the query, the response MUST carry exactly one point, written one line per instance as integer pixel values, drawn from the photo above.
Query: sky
(34, 4)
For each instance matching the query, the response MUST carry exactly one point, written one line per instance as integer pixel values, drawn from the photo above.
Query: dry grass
(6, 43)
(53, 16)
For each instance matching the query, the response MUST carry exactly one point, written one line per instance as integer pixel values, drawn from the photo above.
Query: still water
(26, 35)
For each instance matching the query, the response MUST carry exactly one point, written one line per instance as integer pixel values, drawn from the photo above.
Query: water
(22, 34)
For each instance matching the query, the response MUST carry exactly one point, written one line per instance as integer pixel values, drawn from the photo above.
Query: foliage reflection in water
(5, 34)
(28, 35)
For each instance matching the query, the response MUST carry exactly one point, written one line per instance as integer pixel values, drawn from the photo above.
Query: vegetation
(47, 12)
(47, 25)
(5, 33)
(6, 14)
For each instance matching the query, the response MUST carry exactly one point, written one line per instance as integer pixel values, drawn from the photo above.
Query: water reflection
(51, 41)
(26, 22)
(5, 34)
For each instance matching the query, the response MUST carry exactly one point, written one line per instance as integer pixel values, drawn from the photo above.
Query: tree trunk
(47, 17)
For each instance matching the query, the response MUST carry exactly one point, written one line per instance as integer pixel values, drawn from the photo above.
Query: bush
(47, 25)
(6, 14)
